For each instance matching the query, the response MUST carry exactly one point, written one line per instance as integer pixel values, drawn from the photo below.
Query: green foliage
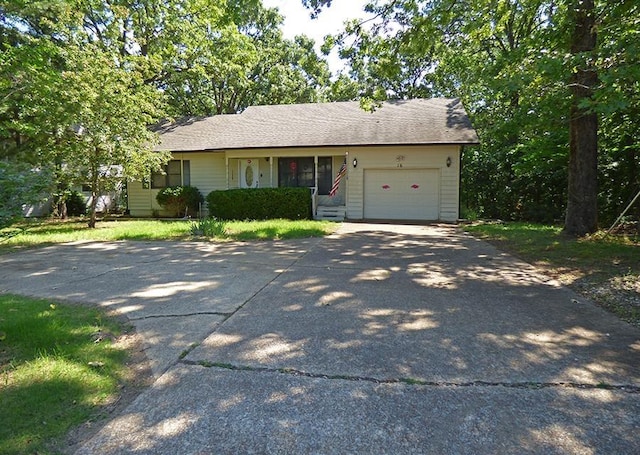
(209, 227)
(58, 368)
(181, 200)
(76, 204)
(19, 185)
(260, 204)
(113, 108)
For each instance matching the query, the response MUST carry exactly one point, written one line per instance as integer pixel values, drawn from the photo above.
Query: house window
(300, 172)
(176, 173)
(296, 172)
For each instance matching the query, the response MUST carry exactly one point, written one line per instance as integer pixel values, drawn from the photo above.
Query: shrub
(76, 204)
(68, 203)
(209, 227)
(181, 200)
(260, 204)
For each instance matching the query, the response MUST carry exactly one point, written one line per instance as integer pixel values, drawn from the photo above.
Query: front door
(249, 173)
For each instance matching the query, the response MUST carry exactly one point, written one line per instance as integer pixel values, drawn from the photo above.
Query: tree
(246, 62)
(112, 109)
(209, 57)
(75, 114)
(31, 120)
(582, 208)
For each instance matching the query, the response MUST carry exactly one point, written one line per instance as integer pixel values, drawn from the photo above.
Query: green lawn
(278, 229)
(37, 233)
(605, 268)
(59, 367)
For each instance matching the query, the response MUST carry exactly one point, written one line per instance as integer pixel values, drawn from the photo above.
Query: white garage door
(401, 194)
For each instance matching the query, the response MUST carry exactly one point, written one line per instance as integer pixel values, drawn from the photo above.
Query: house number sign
(399, 160)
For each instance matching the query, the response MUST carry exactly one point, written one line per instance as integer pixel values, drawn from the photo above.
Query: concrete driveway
(377, 339)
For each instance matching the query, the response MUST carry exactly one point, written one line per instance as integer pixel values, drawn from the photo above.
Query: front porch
(293, 168)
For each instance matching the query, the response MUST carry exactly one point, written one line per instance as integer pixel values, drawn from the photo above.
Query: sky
(330, 20)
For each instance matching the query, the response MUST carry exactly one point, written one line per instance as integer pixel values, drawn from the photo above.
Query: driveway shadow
(433, 306)
(377, 339)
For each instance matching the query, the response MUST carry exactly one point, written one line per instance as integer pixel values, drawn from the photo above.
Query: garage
(402, 194)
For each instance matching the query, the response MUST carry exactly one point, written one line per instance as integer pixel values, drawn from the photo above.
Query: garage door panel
(401, 194)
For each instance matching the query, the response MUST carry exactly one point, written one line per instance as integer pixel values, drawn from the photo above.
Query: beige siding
(140, 200)
(450, 188)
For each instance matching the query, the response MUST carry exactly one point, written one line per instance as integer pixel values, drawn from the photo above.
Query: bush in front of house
(180, 200)
(260, 204)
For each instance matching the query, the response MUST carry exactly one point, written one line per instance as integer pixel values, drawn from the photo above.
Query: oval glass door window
(248, 176)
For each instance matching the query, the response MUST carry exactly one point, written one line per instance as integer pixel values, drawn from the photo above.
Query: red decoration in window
(293, 166)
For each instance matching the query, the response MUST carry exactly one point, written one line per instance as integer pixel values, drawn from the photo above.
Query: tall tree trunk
(94, 196)
(582, 205)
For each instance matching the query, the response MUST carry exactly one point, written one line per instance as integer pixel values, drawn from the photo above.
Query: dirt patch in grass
(619, 295)
(603, 268)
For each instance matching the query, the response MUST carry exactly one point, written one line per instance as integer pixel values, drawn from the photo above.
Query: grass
(58, 369)
(278, 229)
(39, 233)
(605, 268)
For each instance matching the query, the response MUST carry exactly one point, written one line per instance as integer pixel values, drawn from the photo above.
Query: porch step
(327, 213)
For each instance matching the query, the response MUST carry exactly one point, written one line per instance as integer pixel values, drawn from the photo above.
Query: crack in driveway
(628, 388)
(181, 315)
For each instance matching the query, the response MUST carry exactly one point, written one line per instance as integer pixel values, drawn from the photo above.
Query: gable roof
(411, 122)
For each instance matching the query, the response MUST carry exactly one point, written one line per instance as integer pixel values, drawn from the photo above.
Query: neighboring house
(402, 160)
(108, 202)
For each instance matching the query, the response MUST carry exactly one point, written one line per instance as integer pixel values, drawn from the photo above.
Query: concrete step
(337, 213)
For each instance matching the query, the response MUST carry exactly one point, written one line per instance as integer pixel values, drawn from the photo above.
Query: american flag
(336, 182)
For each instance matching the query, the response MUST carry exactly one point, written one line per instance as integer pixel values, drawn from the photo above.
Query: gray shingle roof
(412, 122)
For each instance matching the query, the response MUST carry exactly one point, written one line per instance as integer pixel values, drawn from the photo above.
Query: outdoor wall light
(355, 162)
(448, 161)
